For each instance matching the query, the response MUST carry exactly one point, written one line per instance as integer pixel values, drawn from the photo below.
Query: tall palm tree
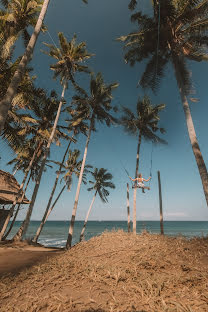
(143, 125)
(178, 33)
(5, 103)
(93, 107)
(102, 180)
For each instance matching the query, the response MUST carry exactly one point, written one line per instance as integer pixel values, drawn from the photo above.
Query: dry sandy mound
(115, 272)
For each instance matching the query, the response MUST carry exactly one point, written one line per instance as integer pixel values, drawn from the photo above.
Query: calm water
(55, 232)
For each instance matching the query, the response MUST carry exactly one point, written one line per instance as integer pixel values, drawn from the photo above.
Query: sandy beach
(112, 272)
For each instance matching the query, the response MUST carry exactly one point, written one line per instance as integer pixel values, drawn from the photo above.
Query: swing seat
(137, 186)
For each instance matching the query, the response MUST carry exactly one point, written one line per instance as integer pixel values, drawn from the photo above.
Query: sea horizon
(55, 232)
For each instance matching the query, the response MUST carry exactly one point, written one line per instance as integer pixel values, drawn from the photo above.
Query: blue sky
(99, 23)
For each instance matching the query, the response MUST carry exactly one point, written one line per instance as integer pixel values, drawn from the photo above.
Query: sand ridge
(115, 272)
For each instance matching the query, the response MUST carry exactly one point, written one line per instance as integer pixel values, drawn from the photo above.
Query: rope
(158, 37)
(151, 165)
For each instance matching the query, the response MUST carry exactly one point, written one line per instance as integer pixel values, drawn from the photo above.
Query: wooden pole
(128, 209)
(160, 199)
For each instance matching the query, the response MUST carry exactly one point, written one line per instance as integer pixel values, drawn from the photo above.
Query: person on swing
(140, 181)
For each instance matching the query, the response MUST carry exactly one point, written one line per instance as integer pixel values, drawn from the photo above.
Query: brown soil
(115, 272)
(15, 257)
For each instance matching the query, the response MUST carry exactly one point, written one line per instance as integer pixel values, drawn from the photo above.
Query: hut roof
(9, 188)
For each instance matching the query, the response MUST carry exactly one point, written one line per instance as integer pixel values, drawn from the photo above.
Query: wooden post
(160, 199)
(128, 209)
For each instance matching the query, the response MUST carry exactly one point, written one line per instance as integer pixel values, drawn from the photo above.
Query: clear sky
(99, 23)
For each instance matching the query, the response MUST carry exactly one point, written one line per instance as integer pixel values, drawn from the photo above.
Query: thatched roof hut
(9, 188)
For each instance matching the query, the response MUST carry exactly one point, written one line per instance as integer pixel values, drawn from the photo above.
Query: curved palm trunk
(87, 216)
(191, 131)
(18, 208)
(23, 228)
(51, 197)
(19, 192)
(135, 189)
(11, 91)
(71, 228)
(35, 239)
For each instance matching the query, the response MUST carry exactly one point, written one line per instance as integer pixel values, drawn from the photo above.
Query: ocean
(55, 232)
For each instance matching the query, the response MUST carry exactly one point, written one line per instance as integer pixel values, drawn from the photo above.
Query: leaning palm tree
(178, 33)
(45, 130)
(143, 125)
(102, 180)
(72, 167)
(5, 103)
(93, 107)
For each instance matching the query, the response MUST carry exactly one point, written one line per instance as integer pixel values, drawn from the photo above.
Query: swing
(135, 185)
(143, 187)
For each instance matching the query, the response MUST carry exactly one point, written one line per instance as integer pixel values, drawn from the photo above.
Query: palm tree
(102, 180)
(93, 107)
(44, 131)
(15, 19)
(5, 103)
(72, 167)
(178, 33)
(143, 124)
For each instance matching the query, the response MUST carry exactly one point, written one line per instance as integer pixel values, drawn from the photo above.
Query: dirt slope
(115, 272)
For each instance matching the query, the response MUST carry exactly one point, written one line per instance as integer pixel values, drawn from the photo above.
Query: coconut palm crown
(182, 34)
(102, 180)
(69, 58)
(97, 105)
(16, 17)
(145, 121)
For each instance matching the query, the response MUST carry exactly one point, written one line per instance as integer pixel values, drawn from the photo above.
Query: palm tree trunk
(19, 192)
(23, 228)
(51, 197)
(18, 208)
(160, 200)
(135, 188)
(87, 216)
(46, 215)
(71, 228)
(11, 91)
(128, 209)
(191, 131)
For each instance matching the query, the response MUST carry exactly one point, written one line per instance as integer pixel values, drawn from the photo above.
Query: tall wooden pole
(128, 209)
(160, 199)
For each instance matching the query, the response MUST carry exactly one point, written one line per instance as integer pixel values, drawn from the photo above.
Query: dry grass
(115, 272)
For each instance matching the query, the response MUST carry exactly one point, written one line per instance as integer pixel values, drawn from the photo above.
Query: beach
(115, 271)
